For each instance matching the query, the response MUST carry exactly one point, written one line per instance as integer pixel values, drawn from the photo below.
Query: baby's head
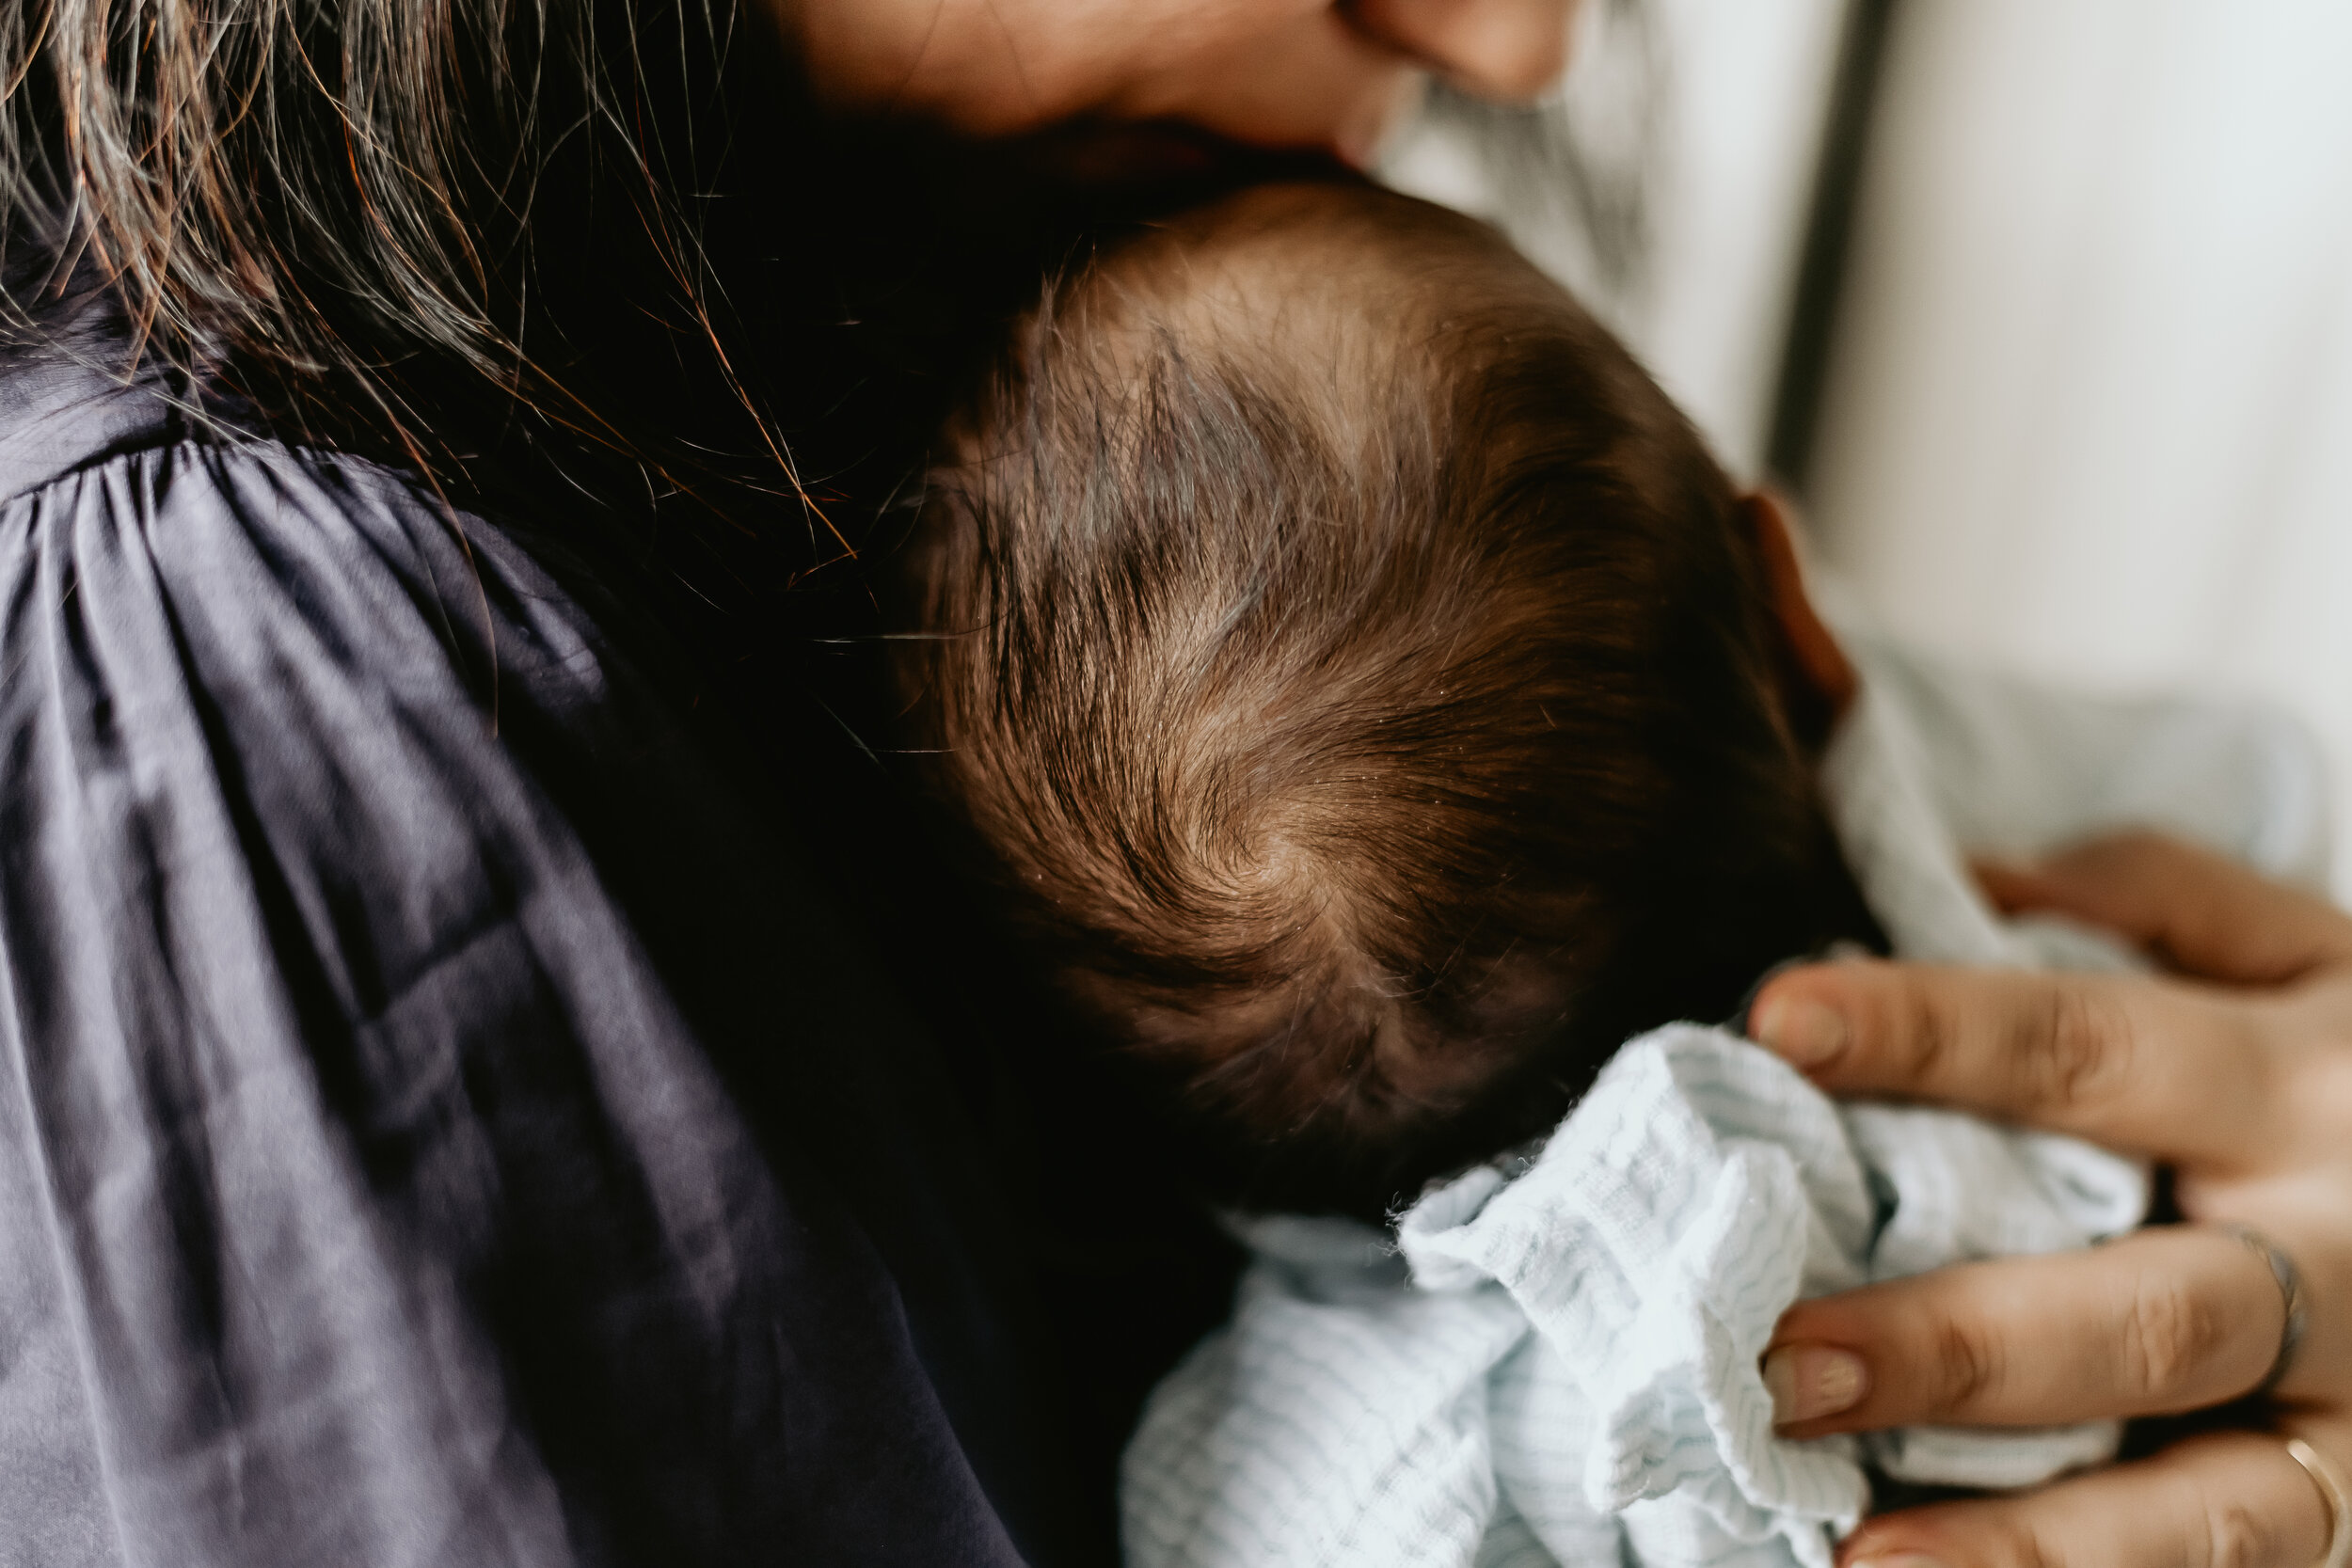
(1361, 686)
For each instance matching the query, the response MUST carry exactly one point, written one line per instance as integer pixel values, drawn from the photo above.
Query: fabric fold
(368, 1194)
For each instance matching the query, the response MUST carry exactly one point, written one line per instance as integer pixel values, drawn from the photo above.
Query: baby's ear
(1820, 677)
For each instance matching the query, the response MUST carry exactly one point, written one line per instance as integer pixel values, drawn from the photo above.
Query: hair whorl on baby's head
(1350, 669)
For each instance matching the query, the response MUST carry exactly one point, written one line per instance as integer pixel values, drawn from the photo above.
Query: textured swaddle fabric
(1699, 1189)
(1555, 1358)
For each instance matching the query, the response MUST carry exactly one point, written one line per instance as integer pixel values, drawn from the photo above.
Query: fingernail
(1804, 1034)
(1808, 1382)
(1906, 1559)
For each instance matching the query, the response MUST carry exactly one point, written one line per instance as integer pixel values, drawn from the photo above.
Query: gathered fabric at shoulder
(376, 1185)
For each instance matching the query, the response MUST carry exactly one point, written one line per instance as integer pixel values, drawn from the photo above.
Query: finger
(2231, 1500)
(2179, 1072)
(2168, 1320)
(2194, 910)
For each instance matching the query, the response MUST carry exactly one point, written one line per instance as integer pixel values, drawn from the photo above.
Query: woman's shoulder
(246, 674)
(369, 914)
(146, 525)
(266, 705)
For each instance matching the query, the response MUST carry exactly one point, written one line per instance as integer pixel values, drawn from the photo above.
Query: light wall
(2089, 414)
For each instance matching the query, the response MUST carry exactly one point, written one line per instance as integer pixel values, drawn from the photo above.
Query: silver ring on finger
(2290, 1280)
(2338, 1495)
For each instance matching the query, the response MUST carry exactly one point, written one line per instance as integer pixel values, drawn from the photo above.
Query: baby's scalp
(1347, 672)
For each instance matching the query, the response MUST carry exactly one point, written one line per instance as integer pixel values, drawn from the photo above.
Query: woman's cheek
(1316, 82)
(1274, 73)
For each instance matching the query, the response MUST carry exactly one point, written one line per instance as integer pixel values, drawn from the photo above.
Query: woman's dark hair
(593, 260)
(376, 222)
(592, 263)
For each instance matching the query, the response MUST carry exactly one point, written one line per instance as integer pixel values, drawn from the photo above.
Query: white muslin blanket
(1554, 1359)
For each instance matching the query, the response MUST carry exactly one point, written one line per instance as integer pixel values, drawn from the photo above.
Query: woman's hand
(2235, 1069)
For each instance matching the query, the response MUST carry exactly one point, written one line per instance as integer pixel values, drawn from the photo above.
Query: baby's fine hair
(1356, 681)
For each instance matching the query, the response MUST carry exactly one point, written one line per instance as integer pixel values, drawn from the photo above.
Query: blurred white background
(2089, 413)
(2086, 411)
